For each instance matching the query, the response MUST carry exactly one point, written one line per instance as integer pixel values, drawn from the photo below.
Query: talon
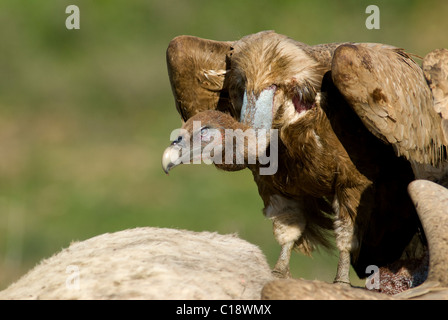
(281, 268)
(342, 283)
(281, 274)
(342, 275)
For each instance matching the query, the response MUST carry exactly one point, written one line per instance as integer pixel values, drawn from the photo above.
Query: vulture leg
(344, 204)
(281, 269)
(288, 225)
(344, 234)
(342, 275)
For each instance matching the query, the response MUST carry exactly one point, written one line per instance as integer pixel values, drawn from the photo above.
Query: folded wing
(389, 92)
(197, 70)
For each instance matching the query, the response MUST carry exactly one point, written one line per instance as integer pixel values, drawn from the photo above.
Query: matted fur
(149, 263)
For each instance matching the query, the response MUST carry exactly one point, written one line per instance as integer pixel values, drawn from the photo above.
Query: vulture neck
(243, 146)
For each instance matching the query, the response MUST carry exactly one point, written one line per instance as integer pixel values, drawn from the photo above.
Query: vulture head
(200, 138)
(272, 79)
(216, 137)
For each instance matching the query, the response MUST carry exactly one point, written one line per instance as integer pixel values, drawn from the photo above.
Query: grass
(86, 114)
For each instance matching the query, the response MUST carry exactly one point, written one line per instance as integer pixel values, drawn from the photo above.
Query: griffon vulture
(355, 124)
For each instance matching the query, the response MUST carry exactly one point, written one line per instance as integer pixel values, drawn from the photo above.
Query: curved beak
(180, 151)
(171, 158)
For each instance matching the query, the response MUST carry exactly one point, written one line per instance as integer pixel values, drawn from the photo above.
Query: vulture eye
(204, 131)
(178, 140)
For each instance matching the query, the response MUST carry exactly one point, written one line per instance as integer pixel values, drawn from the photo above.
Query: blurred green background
(86, 114)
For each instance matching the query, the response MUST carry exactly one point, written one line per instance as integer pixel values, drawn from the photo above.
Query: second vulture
(346, 127)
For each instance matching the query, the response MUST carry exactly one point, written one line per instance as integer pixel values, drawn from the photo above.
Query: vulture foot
(281, 269)
(343, 273)
(342, 283)
(281, 274)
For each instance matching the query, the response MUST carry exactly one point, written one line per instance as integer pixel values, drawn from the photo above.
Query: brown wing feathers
(435, 67)
(197, 71)
(388, 91)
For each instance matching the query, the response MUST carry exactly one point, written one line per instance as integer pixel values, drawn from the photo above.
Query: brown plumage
(343, 113)
(435, 67)
(201, 65)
